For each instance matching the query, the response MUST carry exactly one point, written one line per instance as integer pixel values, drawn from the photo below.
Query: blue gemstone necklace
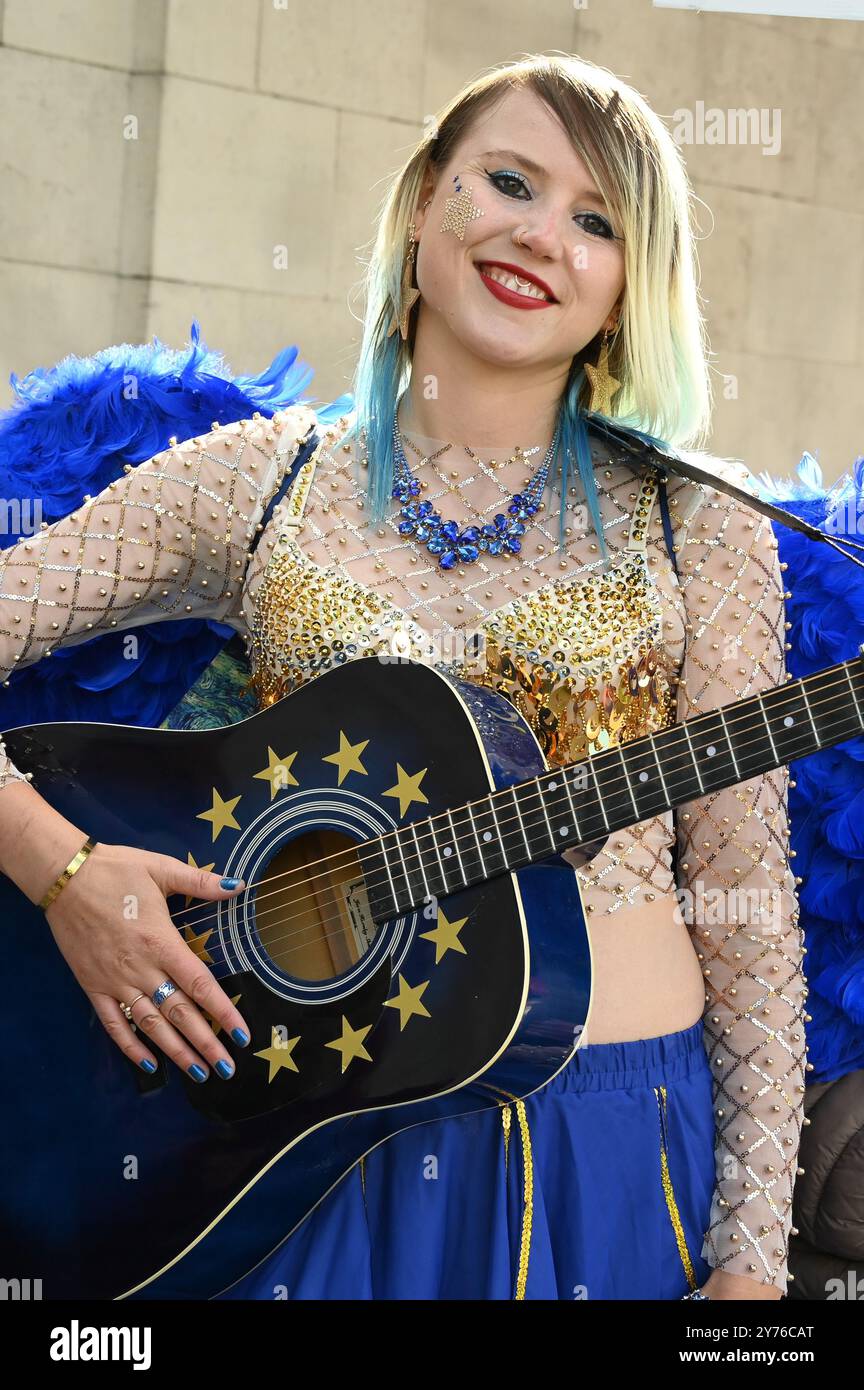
(444, 539)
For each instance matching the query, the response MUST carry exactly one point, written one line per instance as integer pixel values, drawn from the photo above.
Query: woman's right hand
(112, 925)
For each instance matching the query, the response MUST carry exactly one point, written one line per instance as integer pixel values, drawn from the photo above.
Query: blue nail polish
(225, 1069)
(197, 1073)
(230, 883)
(147, 1064)
(239, 1036)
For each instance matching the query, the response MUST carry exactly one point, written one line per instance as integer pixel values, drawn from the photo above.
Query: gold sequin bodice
(581, 659)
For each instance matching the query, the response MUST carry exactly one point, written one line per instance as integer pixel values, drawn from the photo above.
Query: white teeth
(514, 282)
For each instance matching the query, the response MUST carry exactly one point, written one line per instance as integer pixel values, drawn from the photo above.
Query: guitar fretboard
(618, 787)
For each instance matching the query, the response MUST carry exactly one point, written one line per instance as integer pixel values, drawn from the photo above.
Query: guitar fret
(533, 826)
(768, 727)
(854, 698)
(593, 772)
(412, 827)
(497, 827)
(521, 821)
(434, 834)
(729, 741)
(404, 868)
(393, 892)
(659, 769)
(627, 779)
(457, 849)
(693, 757)
(476, 837)
(810, 715)
(570, 799)
(547, 820)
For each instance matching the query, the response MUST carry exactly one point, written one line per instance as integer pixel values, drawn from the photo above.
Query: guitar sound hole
(311, 911)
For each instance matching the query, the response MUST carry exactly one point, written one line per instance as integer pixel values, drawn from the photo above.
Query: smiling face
(528, 181)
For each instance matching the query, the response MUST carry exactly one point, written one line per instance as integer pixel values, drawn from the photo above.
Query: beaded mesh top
(590, 653)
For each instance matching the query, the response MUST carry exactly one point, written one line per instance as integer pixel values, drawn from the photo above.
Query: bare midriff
(646, 978)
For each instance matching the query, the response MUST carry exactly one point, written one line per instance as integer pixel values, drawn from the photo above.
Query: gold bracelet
(72, 867)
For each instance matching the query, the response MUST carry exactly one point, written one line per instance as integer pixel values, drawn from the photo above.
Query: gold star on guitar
(221, 814)
(407, 789)
(347, 759)
(278, 1054)
(445, 936)
(603, 385)
(407, 1001)
(351, 1043)
(278, 772)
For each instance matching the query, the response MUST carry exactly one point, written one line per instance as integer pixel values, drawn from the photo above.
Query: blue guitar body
(119, 1184)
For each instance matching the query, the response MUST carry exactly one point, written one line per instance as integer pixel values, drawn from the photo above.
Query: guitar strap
(304, 453)
(640, 453)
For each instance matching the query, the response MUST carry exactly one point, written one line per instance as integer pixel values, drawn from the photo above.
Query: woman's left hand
(721, 1285)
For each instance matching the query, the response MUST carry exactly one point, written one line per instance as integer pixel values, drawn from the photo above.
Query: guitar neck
(620, 786)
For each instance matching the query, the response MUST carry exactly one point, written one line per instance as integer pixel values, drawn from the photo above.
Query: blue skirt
(598, 1186)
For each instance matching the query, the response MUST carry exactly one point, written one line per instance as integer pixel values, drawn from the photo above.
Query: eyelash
(512, 174)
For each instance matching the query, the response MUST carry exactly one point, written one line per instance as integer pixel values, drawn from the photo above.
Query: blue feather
(69, 432)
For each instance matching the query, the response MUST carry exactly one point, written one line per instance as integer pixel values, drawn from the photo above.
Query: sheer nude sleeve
(737, 890)
(169, 539)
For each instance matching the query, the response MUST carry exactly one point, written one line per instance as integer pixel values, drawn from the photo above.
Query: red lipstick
(512, 297)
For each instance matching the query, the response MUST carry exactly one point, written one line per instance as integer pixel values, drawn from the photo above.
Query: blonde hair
(659, 350)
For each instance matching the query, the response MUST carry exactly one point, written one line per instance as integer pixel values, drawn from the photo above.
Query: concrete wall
(164, 160)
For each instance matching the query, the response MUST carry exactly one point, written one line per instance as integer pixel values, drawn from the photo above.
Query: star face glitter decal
(459, 210)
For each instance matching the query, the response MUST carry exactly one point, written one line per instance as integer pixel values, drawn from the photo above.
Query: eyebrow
(589, 192)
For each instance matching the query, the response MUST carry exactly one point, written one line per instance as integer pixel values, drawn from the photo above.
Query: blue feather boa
(826, 611)
(70, 433)
(73, 428)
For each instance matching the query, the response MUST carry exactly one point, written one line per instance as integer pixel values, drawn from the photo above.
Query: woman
(545, 215)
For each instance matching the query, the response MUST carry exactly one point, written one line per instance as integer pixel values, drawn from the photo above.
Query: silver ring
(165, 990)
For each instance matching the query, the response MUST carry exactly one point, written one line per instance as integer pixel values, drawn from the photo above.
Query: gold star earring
(603, 384)
(409, 294)
(459, 210)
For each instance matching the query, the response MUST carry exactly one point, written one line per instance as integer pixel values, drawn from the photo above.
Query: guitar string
(325, 936)
(619, 783)
(475, 851)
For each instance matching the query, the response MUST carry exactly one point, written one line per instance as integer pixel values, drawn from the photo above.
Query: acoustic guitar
(410, 944)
